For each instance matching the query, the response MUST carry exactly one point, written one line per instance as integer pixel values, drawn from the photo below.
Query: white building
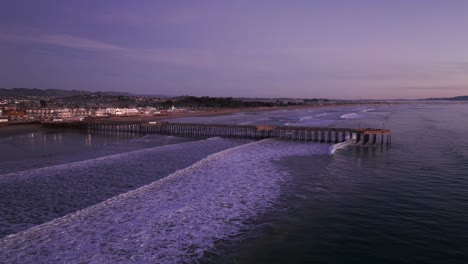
(122, 111)
(110, 111)
(126, 111)
(80, 112)
(43, 113)
(99, 112)
(63, 113)
(149, 111)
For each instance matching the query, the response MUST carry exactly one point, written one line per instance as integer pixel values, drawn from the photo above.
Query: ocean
(76, 197)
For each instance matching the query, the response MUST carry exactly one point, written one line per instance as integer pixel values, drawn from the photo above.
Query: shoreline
(228, 111)
(29, 126)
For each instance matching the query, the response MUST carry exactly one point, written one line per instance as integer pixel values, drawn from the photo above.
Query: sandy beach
(18, 127)
(227, 111)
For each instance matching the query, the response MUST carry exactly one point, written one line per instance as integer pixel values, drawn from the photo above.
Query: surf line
(175, 218)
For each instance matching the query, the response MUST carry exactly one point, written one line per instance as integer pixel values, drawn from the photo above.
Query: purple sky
(334, 49)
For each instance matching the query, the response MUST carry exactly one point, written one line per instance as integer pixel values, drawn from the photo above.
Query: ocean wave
(311, 122)
(33, 197)
(303, 118)
(352, 116)
(43, 172)
(174, 220)
(56, 156)
(333, 148)
(322, 114)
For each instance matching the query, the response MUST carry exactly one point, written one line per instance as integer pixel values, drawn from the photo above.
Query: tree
(43, 103)
(22, 106)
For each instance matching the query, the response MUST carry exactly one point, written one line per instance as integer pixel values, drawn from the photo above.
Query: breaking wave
(322, 114)
(33, 197)
(310, 121)
(55, 156)
(176, 219)
(352, 116)
(342, 145)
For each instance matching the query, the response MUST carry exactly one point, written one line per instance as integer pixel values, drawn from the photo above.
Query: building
(41, 114)
(122, 111)
(126, 111)
(99, 112)
(15, 114)
(80, 112)
(63, 113)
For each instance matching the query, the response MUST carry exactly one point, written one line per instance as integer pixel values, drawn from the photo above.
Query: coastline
(29, 126)
(228, 111)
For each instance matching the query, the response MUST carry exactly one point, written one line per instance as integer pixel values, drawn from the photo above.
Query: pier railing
(363, 137)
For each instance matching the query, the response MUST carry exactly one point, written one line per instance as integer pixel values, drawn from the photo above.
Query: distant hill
(113, 93)
(156, 95)
(456, 98)
(24, 92)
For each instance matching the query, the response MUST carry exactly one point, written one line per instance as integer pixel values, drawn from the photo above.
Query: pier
(363, 137)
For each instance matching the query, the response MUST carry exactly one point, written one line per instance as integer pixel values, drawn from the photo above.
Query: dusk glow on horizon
(307, 49)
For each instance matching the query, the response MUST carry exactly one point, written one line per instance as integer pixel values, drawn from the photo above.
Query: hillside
(27, 92)
(456, 98)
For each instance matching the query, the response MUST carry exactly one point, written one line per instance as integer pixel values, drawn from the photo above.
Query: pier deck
(362, 136)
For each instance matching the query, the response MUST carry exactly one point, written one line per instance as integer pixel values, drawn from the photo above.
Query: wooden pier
(363, 137)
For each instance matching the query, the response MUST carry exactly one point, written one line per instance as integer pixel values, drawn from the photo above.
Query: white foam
(367, 110)
(56, 156)
(95, 162)
(303, 118)
(37, 196)
(215, 138)
(37, 172)
(173, 220)
(322, 114)
(352, 116)
(308, 122)
(333, 148)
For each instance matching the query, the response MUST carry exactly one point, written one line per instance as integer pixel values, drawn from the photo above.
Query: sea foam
(352, 116)
(342, 145)
(33, 197)
(177, 219)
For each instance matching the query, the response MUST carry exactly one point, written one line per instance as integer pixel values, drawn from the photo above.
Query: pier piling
(313, 134)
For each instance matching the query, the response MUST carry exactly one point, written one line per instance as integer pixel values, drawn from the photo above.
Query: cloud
(279, 64)
(78, 43)
(147, 17)
(437, 87)
(67, 41)
(191, 57)
(174, 56)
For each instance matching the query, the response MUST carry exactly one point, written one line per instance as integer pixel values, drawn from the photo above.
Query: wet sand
(13, 129)
(200, 113)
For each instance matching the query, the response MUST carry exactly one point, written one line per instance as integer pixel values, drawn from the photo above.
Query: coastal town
(13, 113)
(30, 105)
(76, 114)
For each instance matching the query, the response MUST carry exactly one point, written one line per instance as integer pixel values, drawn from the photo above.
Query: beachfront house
(99, 112)
(121, 111)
